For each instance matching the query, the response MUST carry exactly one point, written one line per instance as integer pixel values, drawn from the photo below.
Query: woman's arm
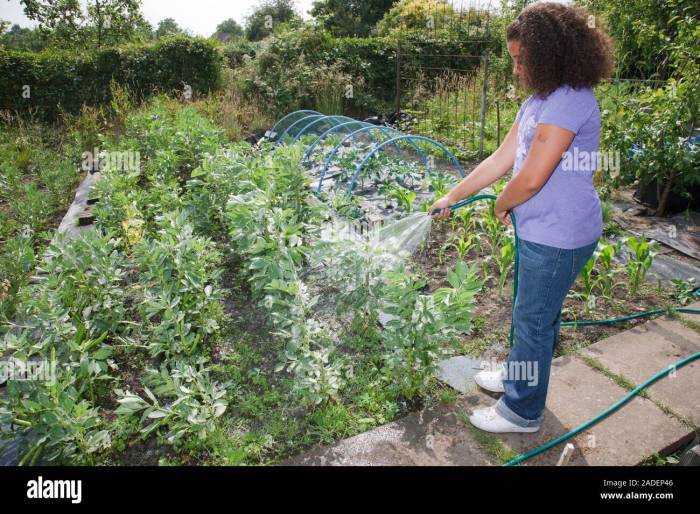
(490, 169)
(548, 145)
(485, 174)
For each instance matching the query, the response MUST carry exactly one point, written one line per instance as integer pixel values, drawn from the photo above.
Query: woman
(558, 54)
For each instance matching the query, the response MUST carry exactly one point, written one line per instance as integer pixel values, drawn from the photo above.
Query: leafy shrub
(655, 139)
(237, 50)
(286, 66)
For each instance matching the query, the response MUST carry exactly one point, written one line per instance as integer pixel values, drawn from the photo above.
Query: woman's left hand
(503, 217)
(502, 214)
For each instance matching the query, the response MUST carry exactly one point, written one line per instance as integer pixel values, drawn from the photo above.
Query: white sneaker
(489, 420)
(491, 380)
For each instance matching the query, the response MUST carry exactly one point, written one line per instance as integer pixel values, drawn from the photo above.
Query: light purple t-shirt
(566, 212)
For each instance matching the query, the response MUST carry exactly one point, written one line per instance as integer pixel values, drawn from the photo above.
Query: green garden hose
(631, 394)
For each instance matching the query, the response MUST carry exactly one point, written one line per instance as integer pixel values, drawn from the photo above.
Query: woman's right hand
(442, 205)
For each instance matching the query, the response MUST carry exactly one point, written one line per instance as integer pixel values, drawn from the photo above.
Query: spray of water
(388, 246)
(403, 237)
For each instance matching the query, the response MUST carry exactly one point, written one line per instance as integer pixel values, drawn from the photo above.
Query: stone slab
(458, 372)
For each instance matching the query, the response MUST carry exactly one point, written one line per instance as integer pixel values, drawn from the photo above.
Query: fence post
(398, 77)
(484, 90)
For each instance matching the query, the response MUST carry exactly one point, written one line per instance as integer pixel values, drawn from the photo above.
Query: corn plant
(462, 245)
(638, 262)
(504, 261)
(493, 228)
(587, 275)
(466, 216)
(403, 196)
(606, 274)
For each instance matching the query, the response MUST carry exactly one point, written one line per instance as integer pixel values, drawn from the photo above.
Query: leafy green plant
(59, 425)
(456, 303)
(440, 184)
(409, 339)
(683, 291)
(656, 138)
(81, 284)
(178, 281)
(184, 400)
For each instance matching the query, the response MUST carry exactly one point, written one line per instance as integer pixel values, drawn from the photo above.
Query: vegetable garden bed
(221, 313)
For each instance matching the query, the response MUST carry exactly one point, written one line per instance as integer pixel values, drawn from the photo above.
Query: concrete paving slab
(432, 437)
(644, 350)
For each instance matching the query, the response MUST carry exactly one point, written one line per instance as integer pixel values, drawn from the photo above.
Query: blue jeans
(545, 275)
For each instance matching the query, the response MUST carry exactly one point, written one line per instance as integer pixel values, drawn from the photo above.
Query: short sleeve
(521, 110)
(568, 108)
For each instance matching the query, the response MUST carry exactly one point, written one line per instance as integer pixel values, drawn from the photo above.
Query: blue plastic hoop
(328, 133)
(325, 118)
(378, 148)
(383, 129)
(283, 118)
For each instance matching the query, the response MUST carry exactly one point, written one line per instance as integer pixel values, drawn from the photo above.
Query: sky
(199, 16)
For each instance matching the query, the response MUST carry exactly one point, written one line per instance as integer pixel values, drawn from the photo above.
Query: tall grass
(448, 109)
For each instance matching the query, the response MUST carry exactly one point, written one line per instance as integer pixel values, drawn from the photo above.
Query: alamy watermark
(28, 371)
(100, 160)
(515, 370)
(48, 489)
(582, 160)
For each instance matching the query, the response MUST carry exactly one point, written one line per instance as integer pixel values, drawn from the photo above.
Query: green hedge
(278, 62)
(66, 81)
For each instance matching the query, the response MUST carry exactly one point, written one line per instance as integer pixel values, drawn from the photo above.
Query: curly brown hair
(561, 44)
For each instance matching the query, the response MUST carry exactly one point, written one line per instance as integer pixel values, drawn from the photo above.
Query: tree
(642, 31)
(167, 27)
(228, 29)
(90, 24)
(350, 17)
(21, 38)
(417, 15)
(266, 16)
